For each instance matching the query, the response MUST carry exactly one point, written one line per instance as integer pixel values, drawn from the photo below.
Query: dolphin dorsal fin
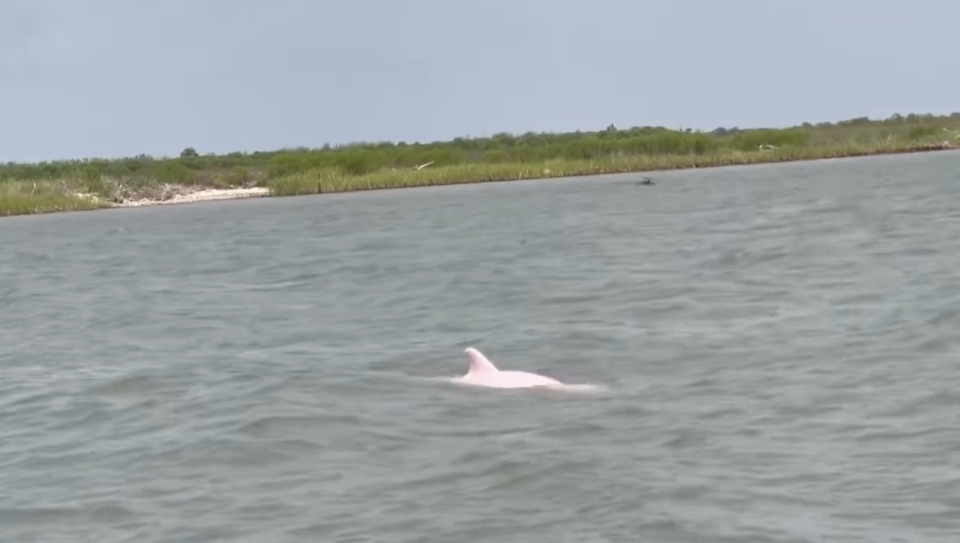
(479, 363)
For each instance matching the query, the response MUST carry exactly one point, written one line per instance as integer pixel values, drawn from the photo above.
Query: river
(779, 345)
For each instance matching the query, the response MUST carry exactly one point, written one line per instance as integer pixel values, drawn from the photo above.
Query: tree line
(364, 157)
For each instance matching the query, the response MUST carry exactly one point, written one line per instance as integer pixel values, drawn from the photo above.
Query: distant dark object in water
(646, 181)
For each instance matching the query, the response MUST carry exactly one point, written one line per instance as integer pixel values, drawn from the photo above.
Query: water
(779, 342)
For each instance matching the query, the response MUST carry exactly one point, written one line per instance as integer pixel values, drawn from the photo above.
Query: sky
(115, 78)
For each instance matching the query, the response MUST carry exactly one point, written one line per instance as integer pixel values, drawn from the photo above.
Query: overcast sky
(113, 78)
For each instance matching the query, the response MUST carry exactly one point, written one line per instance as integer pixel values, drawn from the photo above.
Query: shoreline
(326, 181)
(197, 196)
(184, 194)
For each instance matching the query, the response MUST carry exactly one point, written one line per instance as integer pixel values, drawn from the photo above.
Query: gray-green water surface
(781, 346)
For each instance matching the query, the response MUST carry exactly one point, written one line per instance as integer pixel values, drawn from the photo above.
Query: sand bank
(186, 195)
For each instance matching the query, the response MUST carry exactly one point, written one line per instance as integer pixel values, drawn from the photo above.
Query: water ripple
(779, 343)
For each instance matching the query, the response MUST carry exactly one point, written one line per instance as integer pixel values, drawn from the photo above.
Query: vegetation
(326, 180)
(502, 156)
(23, 197)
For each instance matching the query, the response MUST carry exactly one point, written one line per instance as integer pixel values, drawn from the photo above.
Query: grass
(28, 197)
(81, 194)
(329, 180)
(59, 185)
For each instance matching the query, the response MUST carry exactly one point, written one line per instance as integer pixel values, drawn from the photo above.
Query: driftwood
(156, 193)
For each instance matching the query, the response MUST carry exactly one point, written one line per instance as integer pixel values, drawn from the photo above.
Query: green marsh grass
(330, 180)
(29, 197)
(500, 157)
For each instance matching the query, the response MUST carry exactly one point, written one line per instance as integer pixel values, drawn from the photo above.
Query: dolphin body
(484, 373)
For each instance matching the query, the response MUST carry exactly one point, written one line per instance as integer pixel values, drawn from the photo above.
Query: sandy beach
(185, 195)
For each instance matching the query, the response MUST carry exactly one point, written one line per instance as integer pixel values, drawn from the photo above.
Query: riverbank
(200, 195)
(33, 197)
(330, 180)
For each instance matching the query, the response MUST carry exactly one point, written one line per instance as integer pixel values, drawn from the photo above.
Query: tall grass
(328, 180)
(86, 193)
(28, 197)
(192, 167)
(502, 156)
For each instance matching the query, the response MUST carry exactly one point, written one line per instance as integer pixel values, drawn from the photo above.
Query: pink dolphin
(483, 373)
